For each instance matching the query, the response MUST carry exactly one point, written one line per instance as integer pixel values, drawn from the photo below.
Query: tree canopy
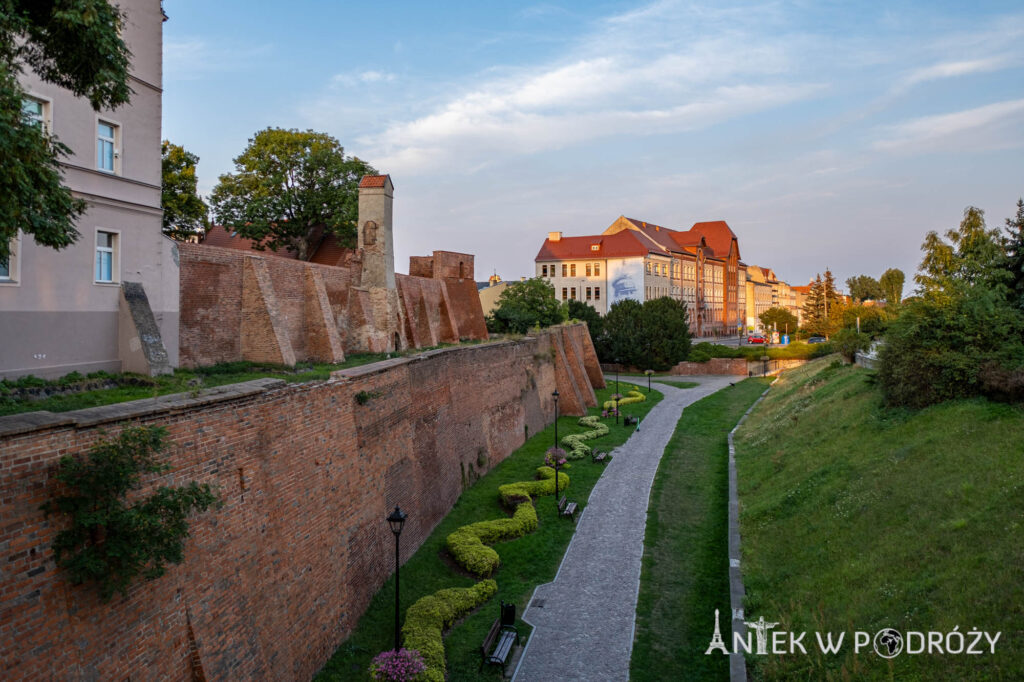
(822, 309)
(864, 288)
(184, 211)
(779, 318)
(1015, 254)
(75, 44)
(891, 283)
(288, 188)
(524, 305)
(973, 255)
(653, 335)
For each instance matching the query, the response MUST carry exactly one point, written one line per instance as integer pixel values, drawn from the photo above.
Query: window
(664, 270)
(9, 272)
(597, 269)
(572, 293)
(36, 111)
(565, 269)
(544, 271)
(565, 292)
(106, 151)
(572, 270)
(595, 247)
(588, 293)
(106, 256)
(597, 293)
(588, 269)
(647, 266)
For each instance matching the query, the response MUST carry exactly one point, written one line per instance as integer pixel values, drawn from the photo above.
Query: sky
(827, 134)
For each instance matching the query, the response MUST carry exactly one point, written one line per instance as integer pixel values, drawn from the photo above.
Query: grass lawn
(136, 386)
(685, 573)
(525, 562)
(677, 384)
(858, 517)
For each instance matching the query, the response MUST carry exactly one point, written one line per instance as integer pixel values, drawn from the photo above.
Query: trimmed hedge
(468, 545)
(574, 445)
(427, 619)
(634, 396)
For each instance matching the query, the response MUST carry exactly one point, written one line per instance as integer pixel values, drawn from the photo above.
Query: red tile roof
(373, 181)
(718, 235)
(222, 237)
(619, 245)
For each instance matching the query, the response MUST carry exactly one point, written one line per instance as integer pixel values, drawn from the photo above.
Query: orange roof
(218, 235)
(718, 235)
(373, 181)
(619, 245)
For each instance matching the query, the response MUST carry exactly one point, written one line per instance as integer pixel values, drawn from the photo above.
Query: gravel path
(584, 620)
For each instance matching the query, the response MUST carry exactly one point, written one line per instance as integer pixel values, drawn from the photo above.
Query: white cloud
(362, 78)
(930, 130)
(955, 69)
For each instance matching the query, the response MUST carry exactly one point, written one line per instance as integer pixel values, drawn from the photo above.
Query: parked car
(816, 339)
(756, 338)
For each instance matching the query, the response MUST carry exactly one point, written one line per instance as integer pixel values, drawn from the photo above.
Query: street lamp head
(396, 520)
(554, 394)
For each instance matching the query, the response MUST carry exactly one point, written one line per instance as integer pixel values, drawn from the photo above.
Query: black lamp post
(396, 520)
(616, 375)
(554, 455)
(648, 381)
(616, 399)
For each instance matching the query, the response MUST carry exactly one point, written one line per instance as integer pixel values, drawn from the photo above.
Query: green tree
(1014, 245)
(814, 306)
(184, 211)
(664, 333)
(779, 318)
(578, 310)
(623, 331)
(864, 288)
(973, 255)
(524, 305)
(289, 186)
(891, 283)
(873, 320)
(75, 44)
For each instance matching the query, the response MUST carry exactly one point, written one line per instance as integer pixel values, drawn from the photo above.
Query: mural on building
(626, 278)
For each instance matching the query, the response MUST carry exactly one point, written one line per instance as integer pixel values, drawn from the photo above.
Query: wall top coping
(15, 424)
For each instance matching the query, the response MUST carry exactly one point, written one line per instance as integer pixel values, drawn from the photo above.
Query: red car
(756, 338)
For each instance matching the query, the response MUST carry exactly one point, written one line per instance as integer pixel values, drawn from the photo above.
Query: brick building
(634, 259)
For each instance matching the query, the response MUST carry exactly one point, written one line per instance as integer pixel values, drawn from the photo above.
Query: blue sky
(828, 134)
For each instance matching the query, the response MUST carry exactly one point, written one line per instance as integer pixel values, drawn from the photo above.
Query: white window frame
(13, 265)
(46, 115)
(115, 143)
(115, 257)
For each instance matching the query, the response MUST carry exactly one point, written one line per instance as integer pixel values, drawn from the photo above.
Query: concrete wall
(274, 581)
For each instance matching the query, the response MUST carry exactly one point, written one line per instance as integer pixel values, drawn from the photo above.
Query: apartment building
(84, 308)
(642, 261)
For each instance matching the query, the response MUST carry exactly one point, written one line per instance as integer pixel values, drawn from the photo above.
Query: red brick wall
(274, 581)
(736, 366)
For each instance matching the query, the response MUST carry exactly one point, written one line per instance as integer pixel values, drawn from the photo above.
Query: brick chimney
(376, 196)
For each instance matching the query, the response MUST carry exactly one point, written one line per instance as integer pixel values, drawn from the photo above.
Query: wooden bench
(567, 508)
(599, 457)
(497, 648)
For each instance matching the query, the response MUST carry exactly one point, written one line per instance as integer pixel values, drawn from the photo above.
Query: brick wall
(736, 366)
(274, 581)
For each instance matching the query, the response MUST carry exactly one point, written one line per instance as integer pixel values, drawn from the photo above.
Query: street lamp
(616, 375)
(616, 399)
(396, 520)
(554, 455)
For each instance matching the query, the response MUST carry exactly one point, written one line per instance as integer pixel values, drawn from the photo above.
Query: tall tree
(524, 305)
(814, 305)
(864, 288)
(832, 300)
(665, 333)
(1015, 254)
(75, 44)
(891, 283)
(184, 211)
(974, 255)
(290, 186)
(780, 319)
(623, 330)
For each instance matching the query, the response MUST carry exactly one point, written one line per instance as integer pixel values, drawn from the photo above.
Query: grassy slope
(685, 566)
(525, 562)
(855, 517)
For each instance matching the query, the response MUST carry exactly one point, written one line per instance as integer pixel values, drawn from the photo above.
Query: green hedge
(427, 619)
(575, 448)
(468, 544)
(633, 396)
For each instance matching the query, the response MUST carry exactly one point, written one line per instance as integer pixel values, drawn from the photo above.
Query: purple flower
(403, 665)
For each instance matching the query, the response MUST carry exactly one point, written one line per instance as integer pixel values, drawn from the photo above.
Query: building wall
(57, 319)
(275, 580)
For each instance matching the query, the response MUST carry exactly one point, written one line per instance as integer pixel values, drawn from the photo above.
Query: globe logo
(888, 643)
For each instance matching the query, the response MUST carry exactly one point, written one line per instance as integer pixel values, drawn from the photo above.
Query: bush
(426, 620)
(714, 350)
(404, 665)
(634, 396)
(698, 356)
(574, 444)
(847, 342)
(467, 544)
(515, 493)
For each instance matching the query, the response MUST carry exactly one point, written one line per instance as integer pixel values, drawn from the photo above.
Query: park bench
(599, 456)
(497, 647)
(567, 508)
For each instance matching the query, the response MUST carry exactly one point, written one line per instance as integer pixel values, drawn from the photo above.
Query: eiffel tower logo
(716, 640)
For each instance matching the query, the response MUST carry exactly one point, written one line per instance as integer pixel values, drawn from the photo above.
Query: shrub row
(467, 544)
(574, 446)
(521, 491)
(426, 620)
(633, 396)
